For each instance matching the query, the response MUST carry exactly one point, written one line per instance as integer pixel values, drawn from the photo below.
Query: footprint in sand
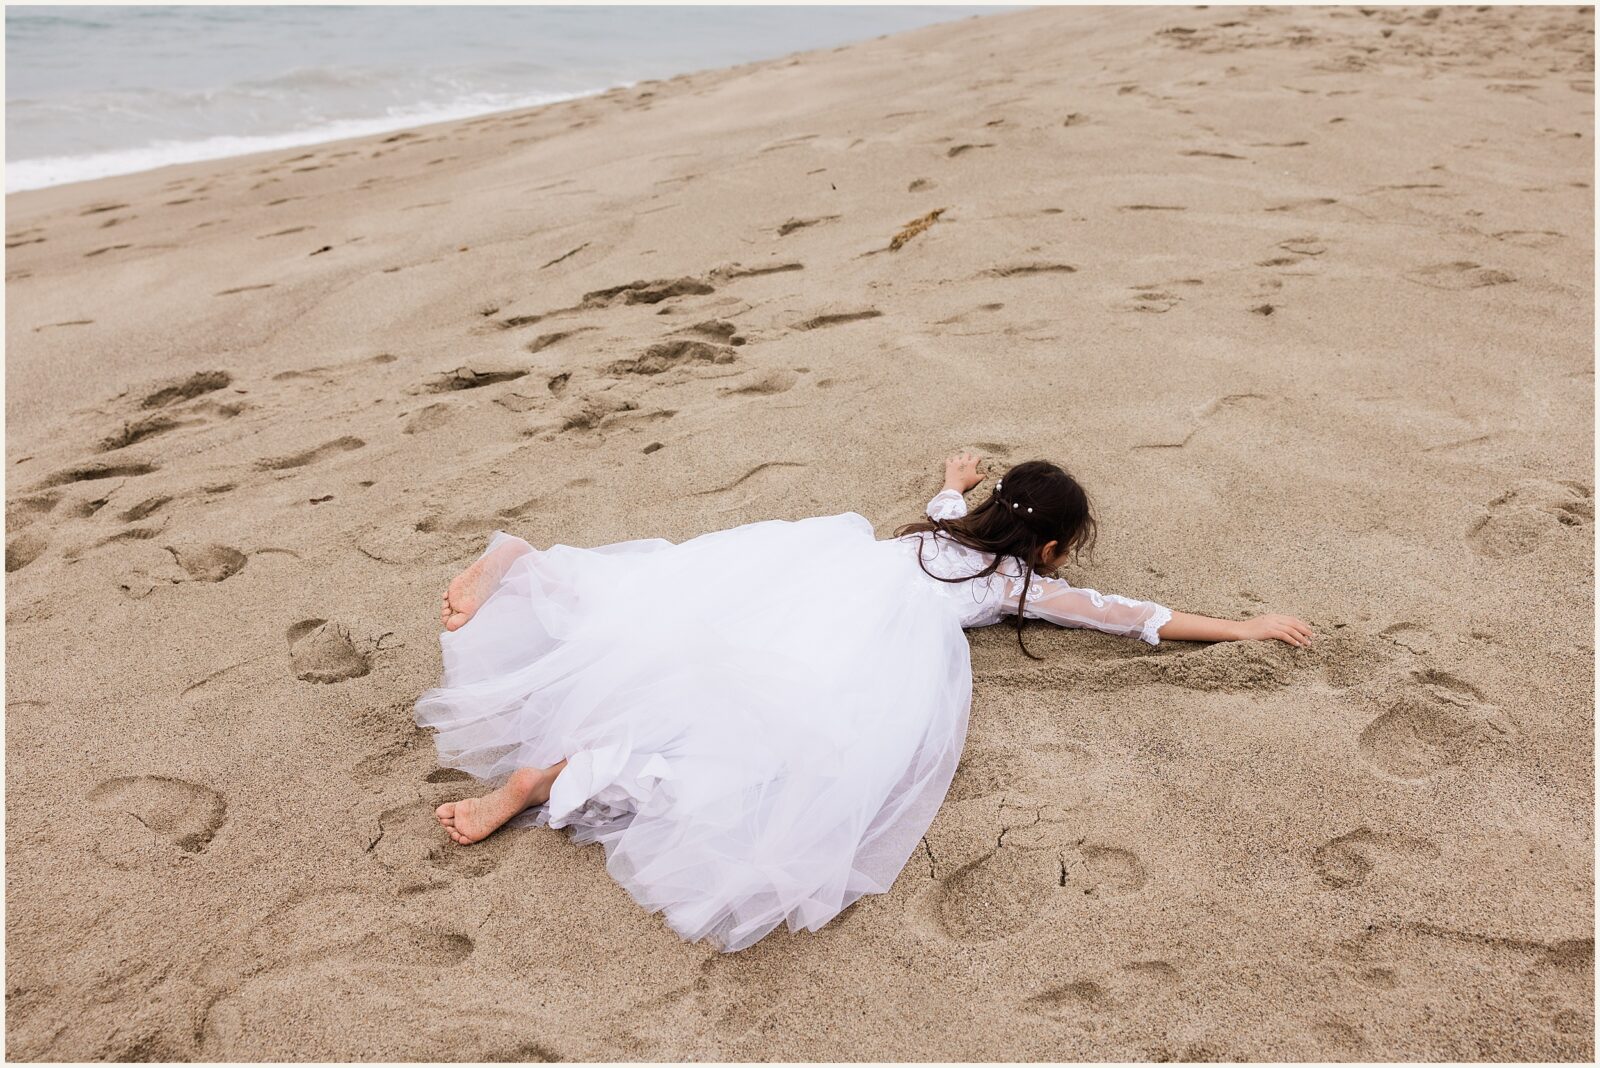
(600, 410)
(209, 563)
(24, 548)
(666, 355)
(1438, 721)
(83, 509)
(544, 341)
(717, 330)
(411, 757)
(1102, 870)
(407, 841)
(174, 392)
(996, 895)
(273, 969)
(330, 373)
(323, 652)
(92, 472)
(187, 388)
(520, 402)
(154, 819)
(1005, 890)
(148, 569)
(643, 292)
(147, 427)
(1520, 520)
(1529, 238)
(1458, 274)
(1310, 245)
(1412, 637)
(762, 383)
(20, 511)
(311, 456)
(1150, 299)
(1133, 988)
(1350, 859)
(429, 417)
(299, 931)
(1549, 981)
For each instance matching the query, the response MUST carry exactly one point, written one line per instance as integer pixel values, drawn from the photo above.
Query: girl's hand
(1284, 628)
(961, 471)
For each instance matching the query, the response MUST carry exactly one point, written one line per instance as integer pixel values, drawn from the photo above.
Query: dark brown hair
(1033, 503)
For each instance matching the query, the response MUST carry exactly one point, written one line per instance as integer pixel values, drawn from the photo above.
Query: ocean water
(96, 91)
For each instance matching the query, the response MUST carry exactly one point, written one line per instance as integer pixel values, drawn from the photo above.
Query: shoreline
(377, 126)
(285, 142)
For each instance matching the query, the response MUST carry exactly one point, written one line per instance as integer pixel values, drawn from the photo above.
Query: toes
(446, 811)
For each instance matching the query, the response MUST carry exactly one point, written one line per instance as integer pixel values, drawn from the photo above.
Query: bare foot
(468, 590)
(475, 818)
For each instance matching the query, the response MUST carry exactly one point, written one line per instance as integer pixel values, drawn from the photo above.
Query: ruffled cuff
(1158, 620)
(947, 504)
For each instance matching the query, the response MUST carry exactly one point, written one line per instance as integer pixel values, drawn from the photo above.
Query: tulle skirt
(759, 723)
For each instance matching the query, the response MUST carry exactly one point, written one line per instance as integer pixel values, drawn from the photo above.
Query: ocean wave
(46, 171)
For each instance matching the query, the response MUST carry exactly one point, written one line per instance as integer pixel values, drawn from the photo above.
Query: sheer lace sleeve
(1077, 606)
(947, 504)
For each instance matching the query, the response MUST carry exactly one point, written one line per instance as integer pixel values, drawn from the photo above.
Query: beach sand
(1304, 297)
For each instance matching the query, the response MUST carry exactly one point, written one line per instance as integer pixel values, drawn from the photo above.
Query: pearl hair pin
(1014, 505)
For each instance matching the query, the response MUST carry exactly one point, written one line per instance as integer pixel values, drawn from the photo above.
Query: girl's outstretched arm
(1061, 603)
(1186, 626)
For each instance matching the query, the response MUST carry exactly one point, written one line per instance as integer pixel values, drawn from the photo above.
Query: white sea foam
(58, 170)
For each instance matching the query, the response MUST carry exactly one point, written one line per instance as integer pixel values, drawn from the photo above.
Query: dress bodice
(985, 600)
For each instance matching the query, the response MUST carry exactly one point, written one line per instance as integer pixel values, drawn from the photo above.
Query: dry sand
(1303, 295)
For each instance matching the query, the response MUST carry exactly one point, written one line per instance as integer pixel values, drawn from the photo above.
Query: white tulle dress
(759, 723)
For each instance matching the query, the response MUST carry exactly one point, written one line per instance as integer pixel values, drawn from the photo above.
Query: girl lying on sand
(759, 723)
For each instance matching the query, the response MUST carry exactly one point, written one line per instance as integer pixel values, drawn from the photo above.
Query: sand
(1304, 297)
